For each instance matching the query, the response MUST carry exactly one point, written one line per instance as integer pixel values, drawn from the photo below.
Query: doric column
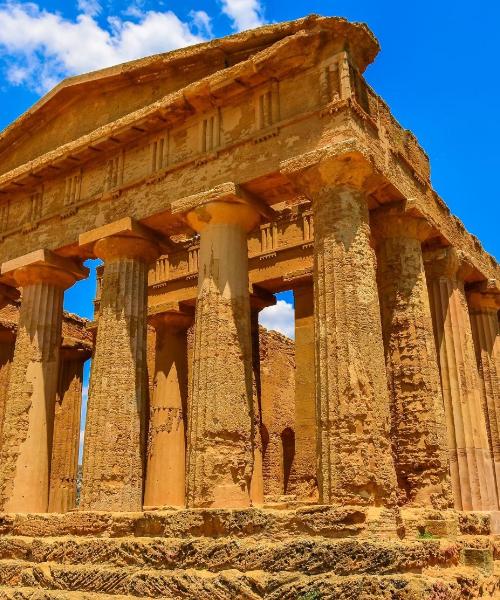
(483, 310)
(8, 295)
(166, 448)
(66, 437)
(27, 432)
(470, 462)
(114, 451)
(221, 435)
(355, 459)
(304, 479)
(418, 422)
(7, 342)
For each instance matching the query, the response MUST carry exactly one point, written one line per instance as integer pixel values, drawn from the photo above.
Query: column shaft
(29, 413)
(7, 342)
(355, 460)
(221, 435)
(304, 479)
(66, 437)
(114, 452)
(418, 422)
(484, 321)
(470, 463)
(257, 483)
(166, 450)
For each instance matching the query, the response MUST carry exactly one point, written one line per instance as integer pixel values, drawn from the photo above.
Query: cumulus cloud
(244, 14)
(38, 47)
(280, 317)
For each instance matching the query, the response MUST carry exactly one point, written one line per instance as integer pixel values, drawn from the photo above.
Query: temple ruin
(207, 180)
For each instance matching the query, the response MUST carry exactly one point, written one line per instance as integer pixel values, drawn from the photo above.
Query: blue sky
(438, 70)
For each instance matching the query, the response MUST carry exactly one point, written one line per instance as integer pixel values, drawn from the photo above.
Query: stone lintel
(299, 277)
(41, 258)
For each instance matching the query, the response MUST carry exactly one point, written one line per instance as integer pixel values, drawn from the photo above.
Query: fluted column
(7, 342)
(28, 422)
(417, 413)
(304, 481)
(470, 462)
(355, 460)
(221, 434)
(483, 309)
(114, 450)
(166, 448)
(66, 437)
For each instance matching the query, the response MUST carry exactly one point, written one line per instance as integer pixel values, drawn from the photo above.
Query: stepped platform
(301, 553)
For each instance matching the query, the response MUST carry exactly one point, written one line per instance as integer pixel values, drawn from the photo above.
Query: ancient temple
(206, 180)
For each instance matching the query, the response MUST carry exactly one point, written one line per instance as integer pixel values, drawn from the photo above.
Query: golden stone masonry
(220, 460)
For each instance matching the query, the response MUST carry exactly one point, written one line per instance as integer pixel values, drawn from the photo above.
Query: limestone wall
(277, 374)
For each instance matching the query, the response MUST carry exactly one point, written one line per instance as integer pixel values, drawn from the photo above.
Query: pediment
(82, 104)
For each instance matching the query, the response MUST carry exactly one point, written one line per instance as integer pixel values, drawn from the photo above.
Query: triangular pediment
(85, 103)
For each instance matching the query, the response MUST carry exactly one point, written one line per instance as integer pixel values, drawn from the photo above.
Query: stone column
(483, 310)
(470, 463)
(27, 432)
(221, 434)
(166, 448)
(66, 437)
(114, 451)
(418, 422)
(7, 342)
(304, 480)
(352, 400)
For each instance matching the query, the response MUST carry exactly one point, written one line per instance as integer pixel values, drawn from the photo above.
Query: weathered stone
(113, 462)
(418, 429)
(210, 165)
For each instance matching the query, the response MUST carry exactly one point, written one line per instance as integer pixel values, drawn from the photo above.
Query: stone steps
(28, 593)
(53, 581)
(324, 521)
(307, 555)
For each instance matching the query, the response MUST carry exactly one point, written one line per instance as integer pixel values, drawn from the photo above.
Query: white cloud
(245, 14)
(89, 7)
(280, 317)
(202, 21)
(39, 47)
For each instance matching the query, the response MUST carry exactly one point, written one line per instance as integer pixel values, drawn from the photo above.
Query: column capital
(170, 315)
(260, 298)
(484, 296)
(125, 238)
(394, 221)
(226, 204)
(74, 348)
(42, 266)
(441, 262)
(7, 294)
(346, 163)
